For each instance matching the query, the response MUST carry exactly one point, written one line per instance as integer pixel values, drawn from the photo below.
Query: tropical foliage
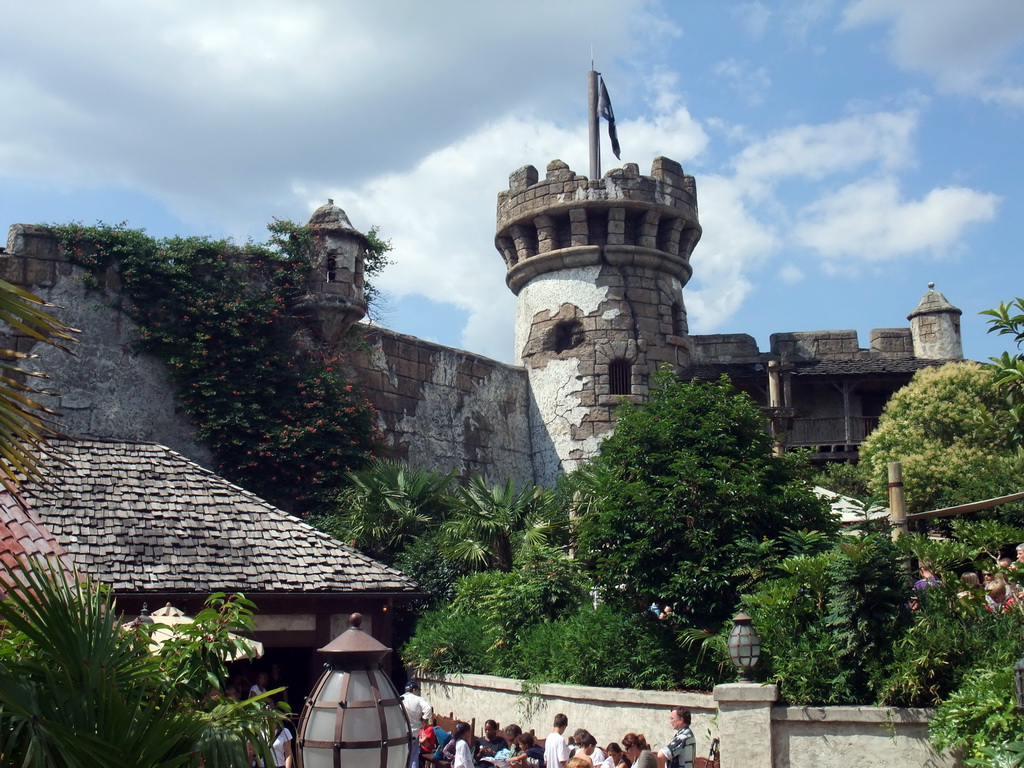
(79, 690)
(25, 423)
(1008, 320)
(283, 424)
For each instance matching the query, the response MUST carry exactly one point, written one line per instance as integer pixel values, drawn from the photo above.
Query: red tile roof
(23, 535)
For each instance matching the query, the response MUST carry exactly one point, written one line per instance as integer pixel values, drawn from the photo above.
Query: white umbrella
(170, 617)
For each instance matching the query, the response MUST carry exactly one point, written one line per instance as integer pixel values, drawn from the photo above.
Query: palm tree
(77, 690)
(389, 503)
(25, 423)
(487, 526)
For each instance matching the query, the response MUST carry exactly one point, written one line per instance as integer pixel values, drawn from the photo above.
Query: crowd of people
(999, 590)
(512, 747)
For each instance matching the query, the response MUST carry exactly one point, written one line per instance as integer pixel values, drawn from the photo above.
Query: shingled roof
(142, 518)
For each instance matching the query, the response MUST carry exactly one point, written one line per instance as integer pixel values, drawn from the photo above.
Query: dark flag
(604, 109)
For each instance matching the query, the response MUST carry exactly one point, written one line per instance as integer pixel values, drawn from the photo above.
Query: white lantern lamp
(744, 646)
(354, 717)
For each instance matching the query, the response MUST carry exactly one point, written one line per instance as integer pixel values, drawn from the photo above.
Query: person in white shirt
(463, 751)
(556, 752)
(282, 748)
(420, 713)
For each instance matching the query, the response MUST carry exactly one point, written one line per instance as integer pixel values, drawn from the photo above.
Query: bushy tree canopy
(947, 428)
(684, 502)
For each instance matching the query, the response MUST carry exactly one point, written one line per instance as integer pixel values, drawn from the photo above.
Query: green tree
(686, 501)
(387, 506)
(78, 690)
(946, 427)
(487, 526)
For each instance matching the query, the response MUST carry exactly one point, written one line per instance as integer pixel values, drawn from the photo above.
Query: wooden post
(897, 503)
(592, 124)
(774, 403)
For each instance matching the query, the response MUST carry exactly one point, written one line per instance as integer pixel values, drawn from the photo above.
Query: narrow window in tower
(677, 319)
(619, 374)
(332, 267)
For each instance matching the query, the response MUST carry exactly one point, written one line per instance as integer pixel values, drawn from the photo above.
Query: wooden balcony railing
(831, 431)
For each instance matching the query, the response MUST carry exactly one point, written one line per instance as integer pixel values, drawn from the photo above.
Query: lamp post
(744, 646)
(354, 718)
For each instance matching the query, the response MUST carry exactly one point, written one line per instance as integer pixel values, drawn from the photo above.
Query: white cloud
(814, 151)
(219, 108)
(871, 221)
(735, 243)
(963, 45)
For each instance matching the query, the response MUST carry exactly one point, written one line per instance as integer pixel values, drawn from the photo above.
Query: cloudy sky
(847, 152)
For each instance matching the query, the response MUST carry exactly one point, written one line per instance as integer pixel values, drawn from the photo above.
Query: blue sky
(846, 153)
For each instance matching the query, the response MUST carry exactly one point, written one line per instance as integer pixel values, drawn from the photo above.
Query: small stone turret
(599, 267)
(334, 299)
(935, 328)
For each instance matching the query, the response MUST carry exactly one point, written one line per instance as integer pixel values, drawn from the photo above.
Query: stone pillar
(745, 724)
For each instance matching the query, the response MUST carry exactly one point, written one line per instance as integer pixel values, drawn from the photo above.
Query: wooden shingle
(144, 518)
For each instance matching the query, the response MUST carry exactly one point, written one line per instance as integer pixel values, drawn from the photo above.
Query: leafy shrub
(979, 715)
(449, 641)
(948, 428)
(602, 647)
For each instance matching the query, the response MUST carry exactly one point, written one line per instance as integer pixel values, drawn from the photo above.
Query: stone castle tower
(599, 267)
(334, 297)
(935, 328)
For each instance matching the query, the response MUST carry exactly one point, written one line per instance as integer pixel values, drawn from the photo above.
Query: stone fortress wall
(599, 268)
(439, 408)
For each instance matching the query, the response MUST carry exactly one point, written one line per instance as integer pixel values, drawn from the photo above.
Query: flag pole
(592, 121)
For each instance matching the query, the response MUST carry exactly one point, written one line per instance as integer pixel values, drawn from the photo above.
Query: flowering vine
(282, 423)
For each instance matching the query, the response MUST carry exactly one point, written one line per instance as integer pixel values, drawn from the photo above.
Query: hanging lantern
(354, 717)
(744, 646)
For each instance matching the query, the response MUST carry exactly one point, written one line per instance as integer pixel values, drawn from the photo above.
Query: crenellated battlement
(653, 218)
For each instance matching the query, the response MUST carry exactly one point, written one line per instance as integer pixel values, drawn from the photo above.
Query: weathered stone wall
(443, 409)
(439, 408)
(816, 345)
(105, 388)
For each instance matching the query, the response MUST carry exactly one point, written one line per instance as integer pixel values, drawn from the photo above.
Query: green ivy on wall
(282, 422)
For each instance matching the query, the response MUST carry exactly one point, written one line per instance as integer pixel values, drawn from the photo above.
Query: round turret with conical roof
(334, 298)
(935, 328)
(598, 266)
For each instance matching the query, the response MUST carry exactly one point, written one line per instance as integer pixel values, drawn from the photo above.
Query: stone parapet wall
(755, 731)
(444, 409)
(816, 345)
(725, 348)
(892, 343)
(873, 737)
(656, 212)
